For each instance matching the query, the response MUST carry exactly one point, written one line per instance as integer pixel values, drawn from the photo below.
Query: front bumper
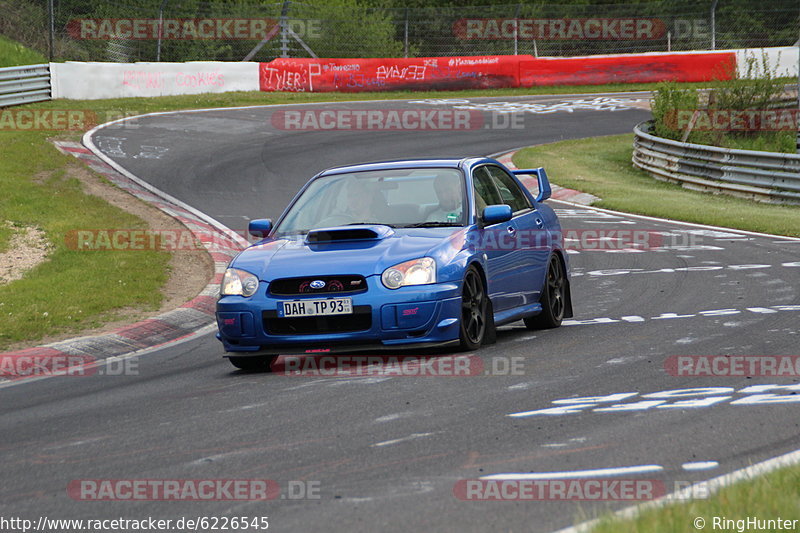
(408, 317)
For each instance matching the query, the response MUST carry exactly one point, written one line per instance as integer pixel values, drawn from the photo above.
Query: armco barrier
(25, 84)
(765, 176)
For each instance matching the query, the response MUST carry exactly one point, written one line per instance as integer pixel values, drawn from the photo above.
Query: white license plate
(329, 306)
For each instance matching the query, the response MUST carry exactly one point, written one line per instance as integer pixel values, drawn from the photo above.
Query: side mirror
(495, 214)
(259, 227)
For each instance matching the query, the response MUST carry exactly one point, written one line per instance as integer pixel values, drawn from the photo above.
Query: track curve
(386, 452)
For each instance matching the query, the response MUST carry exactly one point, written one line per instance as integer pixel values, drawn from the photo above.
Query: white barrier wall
(781, 61)
(90, 81)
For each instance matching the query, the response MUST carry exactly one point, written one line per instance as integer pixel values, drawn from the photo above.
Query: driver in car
(448, 191)
(364, 203)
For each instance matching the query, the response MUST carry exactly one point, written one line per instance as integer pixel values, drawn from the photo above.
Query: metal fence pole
(714, 24)
(405, 36)
(51, 34)
(160, 29)
(516, 31)
(285, 29)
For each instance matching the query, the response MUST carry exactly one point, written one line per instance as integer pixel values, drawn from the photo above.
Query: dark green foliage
(386, 28)
(677, 109)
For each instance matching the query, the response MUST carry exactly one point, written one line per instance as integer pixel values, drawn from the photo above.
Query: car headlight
(415, 272)
(237, 282)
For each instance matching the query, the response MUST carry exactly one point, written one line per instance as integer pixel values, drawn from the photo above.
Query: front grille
(333, 284)
(360, 320)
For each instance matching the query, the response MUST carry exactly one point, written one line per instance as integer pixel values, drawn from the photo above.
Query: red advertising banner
(357, 75)
(488, 72)
(627, 69)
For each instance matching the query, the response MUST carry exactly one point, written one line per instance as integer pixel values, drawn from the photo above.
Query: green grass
(765, 141)
(5, 235)
(782, 141)
(73, 289)
(602, 166)
(767, 497)
(13, 54)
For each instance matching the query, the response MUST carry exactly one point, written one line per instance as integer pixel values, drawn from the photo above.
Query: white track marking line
(575, 474)
(700, 465)
(413, 436)
(781, 238)
(703, 487)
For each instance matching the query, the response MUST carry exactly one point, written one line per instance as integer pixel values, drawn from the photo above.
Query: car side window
(510, 192)
(485, 191)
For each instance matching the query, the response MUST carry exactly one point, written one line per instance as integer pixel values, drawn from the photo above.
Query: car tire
(554, 297)
(253, 363)
(473, 324)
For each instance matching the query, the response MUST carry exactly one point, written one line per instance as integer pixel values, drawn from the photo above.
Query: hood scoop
(360, 232)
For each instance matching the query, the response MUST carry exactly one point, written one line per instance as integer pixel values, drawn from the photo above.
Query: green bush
(677, 109)
(759, 88)
(13, 54)
(350, 29)
(668, 100)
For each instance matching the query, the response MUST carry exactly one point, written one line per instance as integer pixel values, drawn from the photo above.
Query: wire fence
(195, 30)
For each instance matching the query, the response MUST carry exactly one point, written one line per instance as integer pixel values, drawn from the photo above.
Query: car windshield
(420, 197)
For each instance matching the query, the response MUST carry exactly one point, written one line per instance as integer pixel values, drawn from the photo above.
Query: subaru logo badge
(317, 284)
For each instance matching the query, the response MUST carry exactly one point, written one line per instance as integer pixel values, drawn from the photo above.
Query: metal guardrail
(764, 176)
(25, 84)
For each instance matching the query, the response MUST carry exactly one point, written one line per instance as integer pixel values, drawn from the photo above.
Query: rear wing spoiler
(541, 177)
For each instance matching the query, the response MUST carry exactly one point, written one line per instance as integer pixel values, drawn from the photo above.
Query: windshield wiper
(369, 224)
(433, 225)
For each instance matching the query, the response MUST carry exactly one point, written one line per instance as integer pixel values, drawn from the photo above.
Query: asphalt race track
(384, 453)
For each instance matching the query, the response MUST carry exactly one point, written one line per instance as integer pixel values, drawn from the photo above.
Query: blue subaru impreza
(399, 254)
